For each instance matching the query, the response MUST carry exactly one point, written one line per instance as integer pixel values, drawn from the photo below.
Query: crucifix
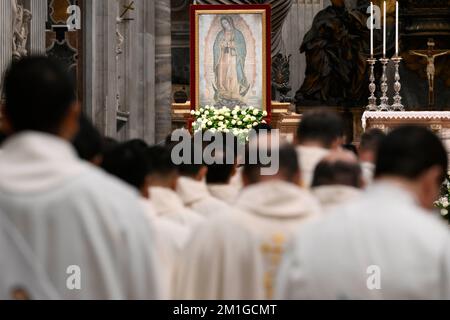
(430, 54)
(127, 8)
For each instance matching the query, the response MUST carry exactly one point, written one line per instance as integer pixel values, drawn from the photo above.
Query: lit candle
(371, 29)
(396, 28)
(384, 29)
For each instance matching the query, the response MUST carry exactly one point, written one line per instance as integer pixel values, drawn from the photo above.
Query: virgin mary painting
(230, 52)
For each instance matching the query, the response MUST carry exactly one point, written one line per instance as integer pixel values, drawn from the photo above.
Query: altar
(437, 121)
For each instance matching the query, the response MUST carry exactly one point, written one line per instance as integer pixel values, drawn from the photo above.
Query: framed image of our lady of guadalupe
(230, 56)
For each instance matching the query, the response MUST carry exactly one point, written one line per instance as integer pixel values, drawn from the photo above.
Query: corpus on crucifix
(430, 54)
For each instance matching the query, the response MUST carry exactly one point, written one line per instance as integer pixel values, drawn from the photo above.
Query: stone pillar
(100, 68)
(5, 38)
(36, 38)
(110, 65)
(148, 79)
(163, 69)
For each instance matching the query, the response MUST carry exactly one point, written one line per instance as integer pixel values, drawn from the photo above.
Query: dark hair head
(160, 161)
(38, 94)
(371, 140)
(108, 144)
(129, 162)
(324, 127)
(408, 152)
(192, 167)
(225, 155)
(288, 164)
(262, 126)
(88, 142)
(220, 173)
(337, 173)
(351, 148)
(3, 138)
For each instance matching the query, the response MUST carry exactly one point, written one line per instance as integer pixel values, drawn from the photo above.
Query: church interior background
(131, 59)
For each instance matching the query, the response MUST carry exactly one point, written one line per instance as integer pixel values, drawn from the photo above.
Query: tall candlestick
(371, 29)
(396, 28)
(384, 106)
(372, 106)
(384, 29)
(397, 106)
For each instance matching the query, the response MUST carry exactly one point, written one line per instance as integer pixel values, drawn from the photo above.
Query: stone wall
(129, 94)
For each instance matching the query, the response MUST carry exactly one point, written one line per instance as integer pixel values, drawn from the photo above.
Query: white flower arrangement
(443, 204)
(238, 121)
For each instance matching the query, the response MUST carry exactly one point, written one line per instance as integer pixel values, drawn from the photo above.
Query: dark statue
(281, 76)
(335, 50)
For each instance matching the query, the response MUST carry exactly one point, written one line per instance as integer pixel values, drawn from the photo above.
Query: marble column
(110, 66)
(163, 69)
(100, 68)
(36, 38)
(5, 38)
(146, 58)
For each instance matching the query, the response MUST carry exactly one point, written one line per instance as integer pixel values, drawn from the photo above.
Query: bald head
(338, 168)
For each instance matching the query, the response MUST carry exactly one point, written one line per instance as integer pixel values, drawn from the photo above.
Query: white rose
(207, 112)
(220, 124)
(210, 123)
(249, 126)
(255, 112)
(244, 113)
(233, 122)
(255, 124)
(239, 123)
(221, 118)
(444, 212)
(265, 113)
(197, 113)
(203, 126)
(193, 112)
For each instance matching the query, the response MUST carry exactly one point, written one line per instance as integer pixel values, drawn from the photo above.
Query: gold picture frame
(264, 48)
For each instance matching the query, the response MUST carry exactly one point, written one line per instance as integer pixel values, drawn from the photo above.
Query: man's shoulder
(97, 181)
(96, 188)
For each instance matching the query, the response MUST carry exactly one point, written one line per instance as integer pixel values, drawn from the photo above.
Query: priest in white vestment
(86, 229)
(386, 245)
(268, 211)
(163, 183)
(21, 275)
(337, 180)
(219, 178)
(193, 191)
(131, 162)
(318, 133)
